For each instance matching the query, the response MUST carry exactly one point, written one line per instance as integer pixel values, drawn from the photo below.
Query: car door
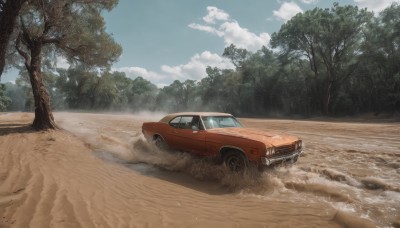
(191, 135)
(172, 134)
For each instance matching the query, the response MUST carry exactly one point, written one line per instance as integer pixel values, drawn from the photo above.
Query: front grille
(285, 150)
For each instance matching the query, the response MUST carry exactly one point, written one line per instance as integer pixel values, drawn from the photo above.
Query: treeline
(338, 61)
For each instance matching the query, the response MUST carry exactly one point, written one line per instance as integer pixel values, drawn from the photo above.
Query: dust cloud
(353, 168)
(135, 149)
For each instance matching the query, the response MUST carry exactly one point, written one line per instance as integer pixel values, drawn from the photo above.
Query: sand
(99, 172)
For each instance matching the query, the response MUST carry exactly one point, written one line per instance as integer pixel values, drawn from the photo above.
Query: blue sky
(165, 40)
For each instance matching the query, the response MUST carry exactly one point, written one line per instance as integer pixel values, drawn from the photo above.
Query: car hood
(269, 139)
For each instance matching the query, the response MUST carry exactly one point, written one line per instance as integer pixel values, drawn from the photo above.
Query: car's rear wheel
(235, 161)
(159, 142)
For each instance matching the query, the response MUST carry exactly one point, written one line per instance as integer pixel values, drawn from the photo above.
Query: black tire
(235, 161)
(159, 142)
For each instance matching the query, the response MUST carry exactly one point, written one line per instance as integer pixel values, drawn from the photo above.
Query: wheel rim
(235, 163)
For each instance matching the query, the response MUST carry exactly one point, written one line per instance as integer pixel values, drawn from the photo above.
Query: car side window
(227, 122)
(175, 122)
(208, 122)
(186, 122)
(195, 125)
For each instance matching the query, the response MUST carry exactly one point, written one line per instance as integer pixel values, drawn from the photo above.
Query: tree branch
(51, 40)
(23, 53)
(47, 22)
(25, 33)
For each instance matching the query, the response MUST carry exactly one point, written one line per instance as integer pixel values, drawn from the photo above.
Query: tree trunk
(8, 16)
(43, 115)
(327, 98)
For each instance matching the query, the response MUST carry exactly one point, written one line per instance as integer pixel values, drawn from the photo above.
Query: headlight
(270, 151)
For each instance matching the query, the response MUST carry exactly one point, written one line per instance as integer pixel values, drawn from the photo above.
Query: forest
(334, 62)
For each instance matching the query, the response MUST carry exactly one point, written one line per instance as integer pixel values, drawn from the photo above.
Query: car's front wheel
(235, 161)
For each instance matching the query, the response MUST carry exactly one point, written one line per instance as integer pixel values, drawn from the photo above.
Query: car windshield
(211, 122)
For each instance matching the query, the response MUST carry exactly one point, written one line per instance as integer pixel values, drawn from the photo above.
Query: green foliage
(4, 100)
(330, 40)
(340, 60)
(142, 94)
(236, 55)
(85, 89)
(178, 96)
(24, 86)
(74, 29)
(17, 97)
(381, 65)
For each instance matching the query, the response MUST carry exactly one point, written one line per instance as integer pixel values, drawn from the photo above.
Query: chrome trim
(269, 161)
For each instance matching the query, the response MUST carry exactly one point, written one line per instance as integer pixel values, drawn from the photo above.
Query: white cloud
(287, 11)
(232, 32)
(206, 28)
(215, 14)
(196, 67)
(133, 72)
(217, 22)
(309, 1)
(242, 38)
(375, 5)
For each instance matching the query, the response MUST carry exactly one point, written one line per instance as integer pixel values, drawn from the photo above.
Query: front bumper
(292, 157)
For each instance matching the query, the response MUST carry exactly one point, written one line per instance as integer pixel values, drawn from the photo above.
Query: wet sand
(99, 172)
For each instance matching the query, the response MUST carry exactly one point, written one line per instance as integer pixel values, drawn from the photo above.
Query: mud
(100, 171)
(353, 167)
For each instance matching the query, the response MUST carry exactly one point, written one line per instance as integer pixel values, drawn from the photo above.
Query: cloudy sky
(165, 40)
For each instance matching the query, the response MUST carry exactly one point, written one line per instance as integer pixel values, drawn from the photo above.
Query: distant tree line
(337, 61)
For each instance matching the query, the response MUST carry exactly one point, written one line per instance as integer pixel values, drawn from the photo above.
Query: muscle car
(222, 136)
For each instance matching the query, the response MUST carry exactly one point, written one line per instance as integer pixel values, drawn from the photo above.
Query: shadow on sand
(7, 129)
(208, 186)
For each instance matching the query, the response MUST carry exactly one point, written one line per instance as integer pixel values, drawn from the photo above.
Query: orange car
(220, 135)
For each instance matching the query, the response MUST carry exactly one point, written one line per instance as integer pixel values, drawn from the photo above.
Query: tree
(258, 73)
(212, 88)
(123, 85)
(23, 82)
(9, 11)
(236, 55)
(74, 29)
(173, 94)
(329, 39)
(105, 91)
(142, 94)
(78, 87)
(17, 97)
(4, 100)
(378, 80)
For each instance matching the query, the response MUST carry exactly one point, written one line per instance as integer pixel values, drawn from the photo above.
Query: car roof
(169, 117)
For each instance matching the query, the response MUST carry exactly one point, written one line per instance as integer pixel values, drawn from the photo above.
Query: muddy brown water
(349, 174)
